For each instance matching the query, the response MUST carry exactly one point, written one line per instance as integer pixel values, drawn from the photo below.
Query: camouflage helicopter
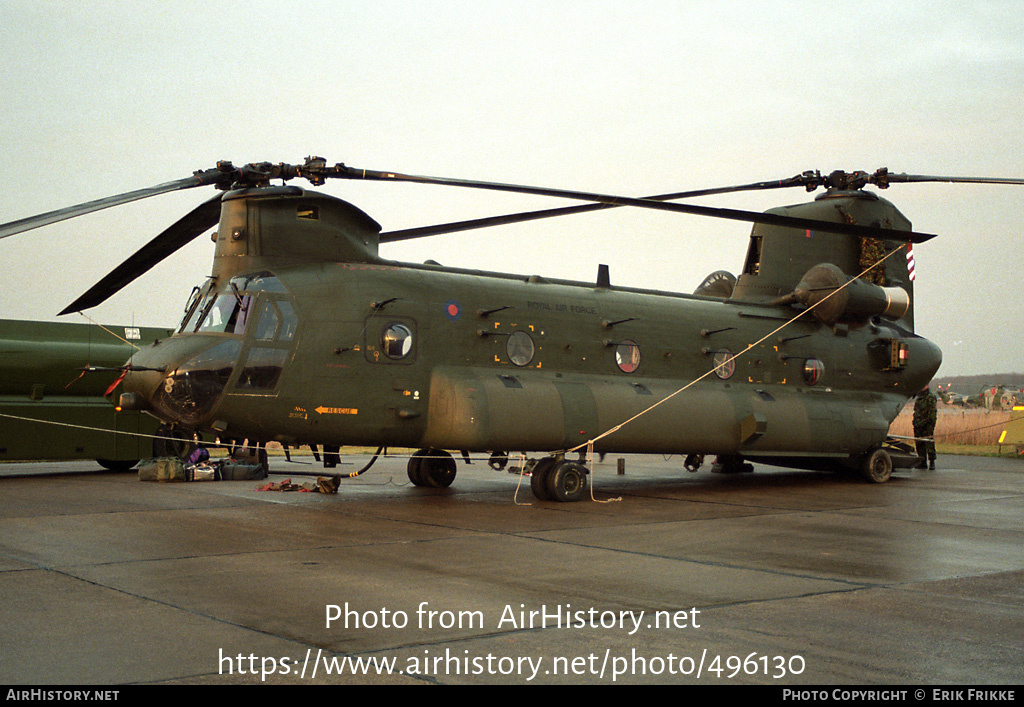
(304, 334)
(951, 398)
(999, 397)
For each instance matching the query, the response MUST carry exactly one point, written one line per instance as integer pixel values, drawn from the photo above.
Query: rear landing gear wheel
(434, 468)
(731, 464)
(567, 482)
(413, 469)
(877, 466)
(539, 478)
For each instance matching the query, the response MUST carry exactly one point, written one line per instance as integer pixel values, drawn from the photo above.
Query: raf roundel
(452, 310)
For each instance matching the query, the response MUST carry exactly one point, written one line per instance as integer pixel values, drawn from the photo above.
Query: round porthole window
(627, 356)
(520, 348)
(813, 370)
(725, 364)
(396, 341)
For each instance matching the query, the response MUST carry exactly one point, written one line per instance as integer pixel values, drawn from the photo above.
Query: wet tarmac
(776, 577)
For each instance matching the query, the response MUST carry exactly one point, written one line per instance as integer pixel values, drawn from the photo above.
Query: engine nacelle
(820, 288)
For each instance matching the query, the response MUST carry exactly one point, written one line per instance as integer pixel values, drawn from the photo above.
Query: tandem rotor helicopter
(304, 334)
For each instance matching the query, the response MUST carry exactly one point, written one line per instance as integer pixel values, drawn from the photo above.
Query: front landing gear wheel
(567, 482)
(877, 466)
(173, 442)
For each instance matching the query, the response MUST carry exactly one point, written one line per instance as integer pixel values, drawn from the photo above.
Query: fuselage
(425, 356)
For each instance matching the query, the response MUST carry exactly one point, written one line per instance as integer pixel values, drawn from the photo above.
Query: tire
(172, 442)
(119, 465)
(567, 482)
(438, 469)
(414, 467)
(877, 467)
(539, 478)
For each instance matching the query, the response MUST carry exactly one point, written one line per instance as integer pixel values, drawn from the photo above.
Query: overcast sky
(631, 98)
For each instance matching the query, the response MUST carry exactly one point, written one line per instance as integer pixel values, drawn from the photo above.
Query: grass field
(959, 431)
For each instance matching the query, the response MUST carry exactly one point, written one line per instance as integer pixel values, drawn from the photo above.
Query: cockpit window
(262, 368)
(192, 323)
(258, 282)
(229, 311)
(267, 325)
(192, 308)
(289, 321)
(228, 314)
(192, 389)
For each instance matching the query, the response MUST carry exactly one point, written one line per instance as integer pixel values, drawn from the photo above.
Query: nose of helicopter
(140, 383)
(925, 360)
(182, 378)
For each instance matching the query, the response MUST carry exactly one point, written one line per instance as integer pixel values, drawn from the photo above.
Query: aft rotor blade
(199, 179)
(456, 226)
(732, 214)
(181, 233)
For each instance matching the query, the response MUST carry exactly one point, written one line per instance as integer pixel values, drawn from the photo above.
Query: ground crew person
(924, 426)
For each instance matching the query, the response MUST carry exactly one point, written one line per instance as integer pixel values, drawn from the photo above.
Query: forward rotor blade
(456, 226)
(178, 235)
(964, 180)
(732, 214)
(199, 179)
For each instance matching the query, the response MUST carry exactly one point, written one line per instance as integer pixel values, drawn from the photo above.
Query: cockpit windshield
(228, 312)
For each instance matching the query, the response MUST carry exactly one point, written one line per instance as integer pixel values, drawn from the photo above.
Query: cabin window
(520, 348)
(753, 261)
(725, 364)
(813, 370)
(396, 341)
(627, 356)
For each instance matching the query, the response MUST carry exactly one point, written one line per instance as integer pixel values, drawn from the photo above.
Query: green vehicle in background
(58, 390)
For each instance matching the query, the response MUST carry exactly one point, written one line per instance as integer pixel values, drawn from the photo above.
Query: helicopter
(304, 334)
(999, 397)
(60, 373)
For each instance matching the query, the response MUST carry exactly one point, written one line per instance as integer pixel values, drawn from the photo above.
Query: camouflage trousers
(925, 448)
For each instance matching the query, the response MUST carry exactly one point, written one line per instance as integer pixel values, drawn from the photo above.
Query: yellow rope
(590, 443)
(109, 332)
